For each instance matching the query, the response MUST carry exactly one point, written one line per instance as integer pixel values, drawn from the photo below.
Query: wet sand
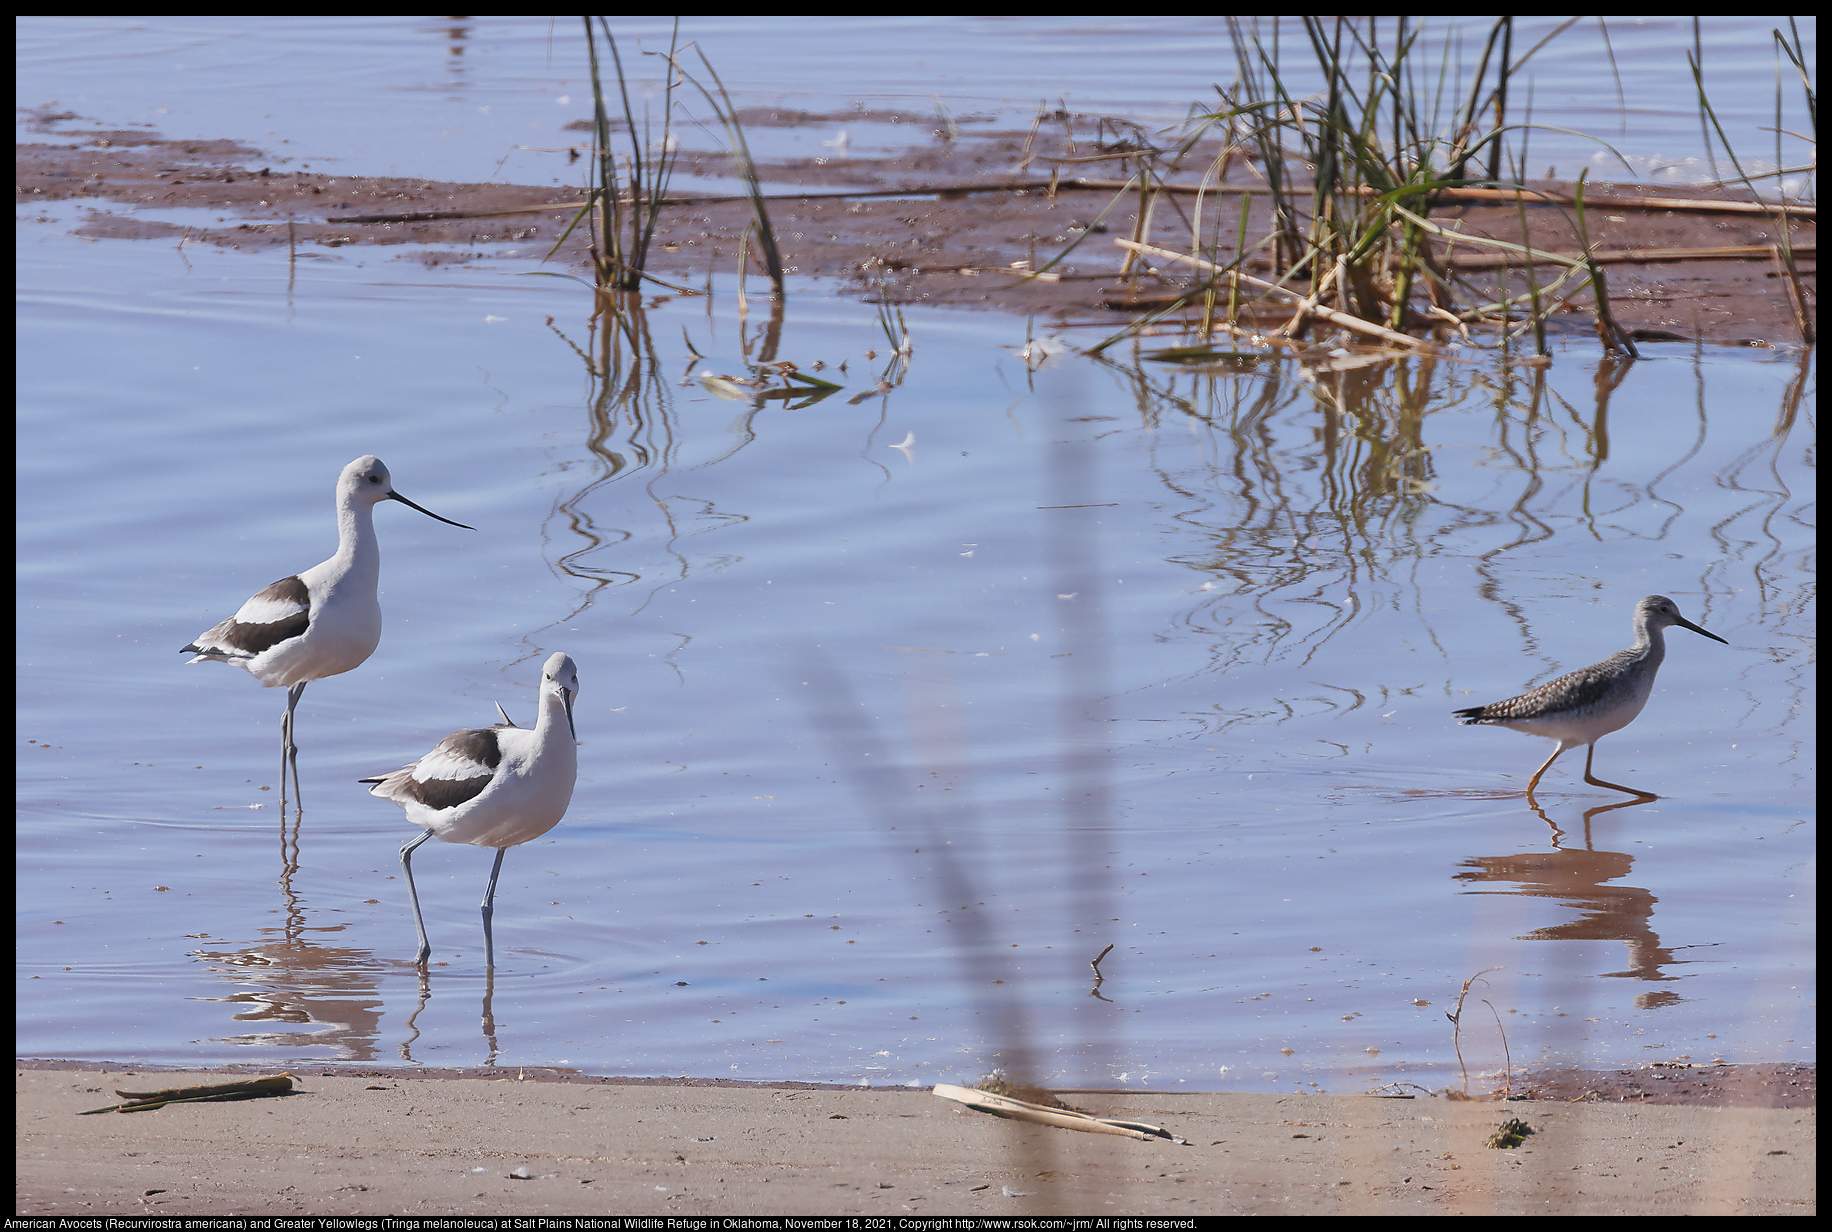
(410, 1144)
(922, 245)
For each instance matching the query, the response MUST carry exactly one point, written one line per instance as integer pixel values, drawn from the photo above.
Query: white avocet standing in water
(322, 622)
(491, 787)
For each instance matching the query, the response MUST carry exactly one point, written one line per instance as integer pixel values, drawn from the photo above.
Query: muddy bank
(1789, 1084)
(924, 245)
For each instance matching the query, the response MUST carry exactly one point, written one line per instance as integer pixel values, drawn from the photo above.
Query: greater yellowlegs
(492, 787)
(1582, 707)
(321, 622)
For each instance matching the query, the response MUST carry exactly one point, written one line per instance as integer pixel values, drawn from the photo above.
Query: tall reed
(1381, 144)
(627, 212)
(747, 170)
(1790, 47)
(625, 205)
(1394, 124)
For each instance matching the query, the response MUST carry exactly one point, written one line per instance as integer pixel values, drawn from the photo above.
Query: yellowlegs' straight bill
(324, 621)
(1582, 707)
(492, 787)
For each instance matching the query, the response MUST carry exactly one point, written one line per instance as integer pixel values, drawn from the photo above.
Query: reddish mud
(959, 248)
(1791, 1084)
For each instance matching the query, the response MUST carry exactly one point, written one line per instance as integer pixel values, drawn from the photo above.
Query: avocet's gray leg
(489, 909)
(289, 751)
(413, 896)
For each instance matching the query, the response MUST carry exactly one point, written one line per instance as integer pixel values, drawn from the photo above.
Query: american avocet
(323, 621)
(491, 787)
(1584, 706)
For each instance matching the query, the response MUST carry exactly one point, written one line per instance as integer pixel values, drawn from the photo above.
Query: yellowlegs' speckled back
(324, 621)
(492, 787)
(1582, 707)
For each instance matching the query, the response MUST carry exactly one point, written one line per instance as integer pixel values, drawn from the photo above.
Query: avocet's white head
(560, 678)
(366, 481)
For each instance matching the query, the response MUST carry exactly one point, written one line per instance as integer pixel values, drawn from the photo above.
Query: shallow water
(880, 746)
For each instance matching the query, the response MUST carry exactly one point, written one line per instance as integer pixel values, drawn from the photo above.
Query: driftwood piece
(248, 1088)
(1018, 1110)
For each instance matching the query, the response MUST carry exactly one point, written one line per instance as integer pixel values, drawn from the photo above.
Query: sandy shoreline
(356, 1145)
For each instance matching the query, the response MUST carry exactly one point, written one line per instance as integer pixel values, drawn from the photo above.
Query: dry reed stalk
(1614, 337)
(1619, 256)
(1024, 158)
(1456, 1024)
(1453, 195)
(1328, 314)
(1796, 292)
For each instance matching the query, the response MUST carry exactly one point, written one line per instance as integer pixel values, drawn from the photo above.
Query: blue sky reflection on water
(479, 98)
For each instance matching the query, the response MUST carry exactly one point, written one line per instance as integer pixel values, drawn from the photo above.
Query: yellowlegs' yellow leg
(1547, 765)
(1597, 782)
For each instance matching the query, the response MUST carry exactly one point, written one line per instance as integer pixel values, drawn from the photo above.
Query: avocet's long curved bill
(396, 496)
